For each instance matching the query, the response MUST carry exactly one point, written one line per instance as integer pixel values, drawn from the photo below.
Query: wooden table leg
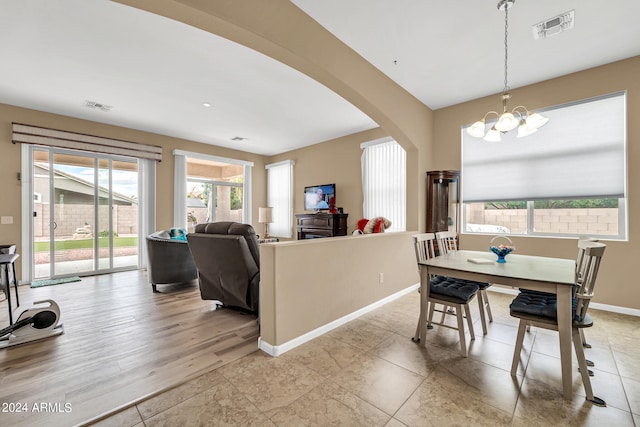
(6, 275)
(424, 293)
(15, 283)
(564, 293)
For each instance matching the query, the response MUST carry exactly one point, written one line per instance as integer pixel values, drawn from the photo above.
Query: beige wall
(307, 284)
(617, 283)
(10, 161)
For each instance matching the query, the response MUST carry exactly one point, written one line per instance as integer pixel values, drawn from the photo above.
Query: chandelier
(519, 117)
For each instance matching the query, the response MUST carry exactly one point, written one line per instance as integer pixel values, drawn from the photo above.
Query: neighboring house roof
(68, 182)
(193, 202)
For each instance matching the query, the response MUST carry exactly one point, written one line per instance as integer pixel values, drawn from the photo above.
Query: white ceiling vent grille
(97, 106)
(552, 26)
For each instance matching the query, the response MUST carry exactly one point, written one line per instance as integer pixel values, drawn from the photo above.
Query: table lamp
(265, 217)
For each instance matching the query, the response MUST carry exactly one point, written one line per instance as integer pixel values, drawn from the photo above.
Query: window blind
(147, 206)
(384, 182)
(179, 189)
(280, 197)
(579, 153)
(27, 134)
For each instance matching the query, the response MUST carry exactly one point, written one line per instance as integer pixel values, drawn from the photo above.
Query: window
(568, 179)
(210, 200)
(384, 182)
(209, 189)
(280, 197)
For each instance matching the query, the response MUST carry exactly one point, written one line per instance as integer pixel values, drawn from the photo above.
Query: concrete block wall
(571, 221)
(69, 217)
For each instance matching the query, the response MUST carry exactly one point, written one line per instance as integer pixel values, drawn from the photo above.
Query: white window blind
(27, 134)
(579, 153)
(179, 190)
(147, 206)
(384, 178)
(280, 197)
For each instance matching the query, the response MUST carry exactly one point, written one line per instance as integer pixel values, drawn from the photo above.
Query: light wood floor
(121, 343)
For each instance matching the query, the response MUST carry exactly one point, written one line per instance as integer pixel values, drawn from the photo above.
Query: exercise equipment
(33, 324)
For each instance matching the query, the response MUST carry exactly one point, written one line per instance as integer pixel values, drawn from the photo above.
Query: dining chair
(426, 251)
(447, 242)
(580, 259)
(582, 244)
(540, 309)
(447, 291)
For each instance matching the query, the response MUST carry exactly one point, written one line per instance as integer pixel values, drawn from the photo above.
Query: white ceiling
(157, 73)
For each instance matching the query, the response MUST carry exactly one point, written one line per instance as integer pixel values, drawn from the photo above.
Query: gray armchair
(170, 261)
(227, 256)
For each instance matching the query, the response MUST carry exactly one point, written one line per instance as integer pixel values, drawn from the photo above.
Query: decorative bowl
(501, 249)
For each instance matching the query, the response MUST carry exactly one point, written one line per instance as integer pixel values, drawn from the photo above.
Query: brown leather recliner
(227, 256)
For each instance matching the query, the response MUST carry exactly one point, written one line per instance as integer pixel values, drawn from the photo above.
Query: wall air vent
(97, 106)
(552, 26)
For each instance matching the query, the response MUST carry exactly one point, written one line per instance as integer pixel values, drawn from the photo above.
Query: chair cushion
(481, 285)
(162, 234)
(539, 304)
(452, 287)
(178, 233)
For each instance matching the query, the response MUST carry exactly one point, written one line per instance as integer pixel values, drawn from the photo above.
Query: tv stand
(321, 224)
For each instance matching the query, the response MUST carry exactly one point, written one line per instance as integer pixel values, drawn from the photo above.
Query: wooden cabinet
(443, 201)
(321, 225)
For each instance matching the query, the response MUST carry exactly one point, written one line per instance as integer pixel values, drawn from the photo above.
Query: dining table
(546, 274)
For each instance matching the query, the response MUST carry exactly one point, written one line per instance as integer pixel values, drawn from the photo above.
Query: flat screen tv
(317, 197)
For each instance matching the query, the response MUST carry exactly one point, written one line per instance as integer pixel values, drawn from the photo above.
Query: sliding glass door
(85, 213)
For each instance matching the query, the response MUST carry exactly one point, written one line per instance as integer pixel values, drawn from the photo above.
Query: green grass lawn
(118, 242)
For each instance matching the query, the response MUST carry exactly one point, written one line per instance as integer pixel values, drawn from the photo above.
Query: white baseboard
(277, 350)
(615, 309)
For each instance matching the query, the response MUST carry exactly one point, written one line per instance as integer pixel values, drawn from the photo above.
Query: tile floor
(369, 373)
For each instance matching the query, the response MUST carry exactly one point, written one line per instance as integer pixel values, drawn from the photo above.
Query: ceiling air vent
(552, 26)
(97, 106)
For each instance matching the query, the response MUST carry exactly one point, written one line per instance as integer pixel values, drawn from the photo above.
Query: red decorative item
(379, 228)
(362, 223)
(332, 205)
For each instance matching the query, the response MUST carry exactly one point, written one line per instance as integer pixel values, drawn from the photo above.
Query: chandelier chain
(506, 46)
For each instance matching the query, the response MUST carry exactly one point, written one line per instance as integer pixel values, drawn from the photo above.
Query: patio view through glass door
(85, 213)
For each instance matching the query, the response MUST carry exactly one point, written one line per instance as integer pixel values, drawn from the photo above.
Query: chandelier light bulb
(536, 120)
(525, 130)
(476, 129)
(493, 135)
(506, 122)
